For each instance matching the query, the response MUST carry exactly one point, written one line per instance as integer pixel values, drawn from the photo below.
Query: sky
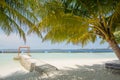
(13, 41)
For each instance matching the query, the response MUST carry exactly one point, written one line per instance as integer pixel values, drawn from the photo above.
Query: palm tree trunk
(113, 44)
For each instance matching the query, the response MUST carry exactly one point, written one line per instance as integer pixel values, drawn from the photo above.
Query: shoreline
(86, 66)
(58, 50)
(64, 64)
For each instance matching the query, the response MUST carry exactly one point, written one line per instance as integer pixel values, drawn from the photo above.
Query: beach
(70, 68)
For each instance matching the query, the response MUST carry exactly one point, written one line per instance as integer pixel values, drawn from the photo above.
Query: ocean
(57, 50)
(8, 64)
(7, 58)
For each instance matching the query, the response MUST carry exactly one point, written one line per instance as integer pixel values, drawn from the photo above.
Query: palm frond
(78, 21)
(15, 16)
(115, 21)
(85, 38)
(117, 36)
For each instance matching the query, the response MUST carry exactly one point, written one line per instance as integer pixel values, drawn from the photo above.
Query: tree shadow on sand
(94, 72)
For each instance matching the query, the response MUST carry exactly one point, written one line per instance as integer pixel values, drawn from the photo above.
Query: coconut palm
(81, 21)
(15, 15)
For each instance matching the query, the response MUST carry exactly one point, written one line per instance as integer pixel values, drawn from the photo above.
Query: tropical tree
(81, 21)
(17, 16)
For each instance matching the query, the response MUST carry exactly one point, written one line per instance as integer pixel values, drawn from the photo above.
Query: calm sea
(7, 58)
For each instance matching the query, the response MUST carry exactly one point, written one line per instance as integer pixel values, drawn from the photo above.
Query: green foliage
(15, 15)
(117, 36)
(60, 26)
(78, 21)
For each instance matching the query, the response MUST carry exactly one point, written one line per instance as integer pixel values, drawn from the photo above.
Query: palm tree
(15, 15)
(81, 21)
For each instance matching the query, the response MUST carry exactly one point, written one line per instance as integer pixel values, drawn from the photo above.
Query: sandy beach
(59, 39)
(69, 69)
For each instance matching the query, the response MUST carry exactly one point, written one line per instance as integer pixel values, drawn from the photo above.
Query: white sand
(10, 68)
(64, 64)
(73, 63)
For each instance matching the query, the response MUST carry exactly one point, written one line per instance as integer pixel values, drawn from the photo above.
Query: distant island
(57, 50)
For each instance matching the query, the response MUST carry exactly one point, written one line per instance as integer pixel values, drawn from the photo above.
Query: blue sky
(14, 41)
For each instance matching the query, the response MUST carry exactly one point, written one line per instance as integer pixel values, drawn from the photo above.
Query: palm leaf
(14, 14)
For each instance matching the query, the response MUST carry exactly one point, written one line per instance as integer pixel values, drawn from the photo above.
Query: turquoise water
(73, 55)
(6, 59)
